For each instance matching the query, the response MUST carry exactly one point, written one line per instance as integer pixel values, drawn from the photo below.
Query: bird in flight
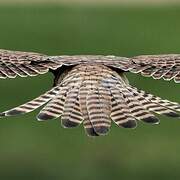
(93, 89)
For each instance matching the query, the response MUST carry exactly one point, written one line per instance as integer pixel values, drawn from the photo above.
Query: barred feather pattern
(86, 119)
(94, 95)
(157, 66)
(23, 64)
(32, 105)
(16, 63)
(156, 104)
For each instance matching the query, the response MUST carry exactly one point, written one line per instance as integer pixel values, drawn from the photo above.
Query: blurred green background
(44, 150)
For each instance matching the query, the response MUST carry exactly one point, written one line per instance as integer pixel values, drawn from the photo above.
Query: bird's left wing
(157, 66)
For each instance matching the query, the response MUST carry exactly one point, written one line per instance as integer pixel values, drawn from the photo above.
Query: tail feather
(120, 112)
(94, 95)
(86, 120)
(99, 108)
(156, 104)
(55, 107)
(32, 105)
(137, 110)
(71, 116)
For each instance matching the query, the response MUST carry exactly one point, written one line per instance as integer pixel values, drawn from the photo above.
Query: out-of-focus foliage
(43, 150)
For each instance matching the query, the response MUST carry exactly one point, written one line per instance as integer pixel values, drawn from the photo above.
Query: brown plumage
(93, 90)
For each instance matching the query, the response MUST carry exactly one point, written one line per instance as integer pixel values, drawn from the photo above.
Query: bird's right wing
(13, 63)
(23, 64)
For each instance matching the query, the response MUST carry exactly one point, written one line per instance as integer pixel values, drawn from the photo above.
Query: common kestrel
(93, 89)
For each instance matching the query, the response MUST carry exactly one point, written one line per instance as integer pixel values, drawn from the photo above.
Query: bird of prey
(93, 89)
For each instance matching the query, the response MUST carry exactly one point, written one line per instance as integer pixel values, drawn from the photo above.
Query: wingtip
(177, 80)
(101, 130)
(129, 124)
(91, 132)
(12, 112)
(172, 114)
(3, 114)
(44, 117)
(68, 124)
(152, 120)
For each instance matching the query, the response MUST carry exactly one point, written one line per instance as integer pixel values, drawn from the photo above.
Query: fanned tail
(95, 95)
(130, 104)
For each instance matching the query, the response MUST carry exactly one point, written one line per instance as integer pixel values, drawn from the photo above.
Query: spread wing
(157, 66)
(16, 63)
(13, 63)
(23, 64)
(94, 94)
